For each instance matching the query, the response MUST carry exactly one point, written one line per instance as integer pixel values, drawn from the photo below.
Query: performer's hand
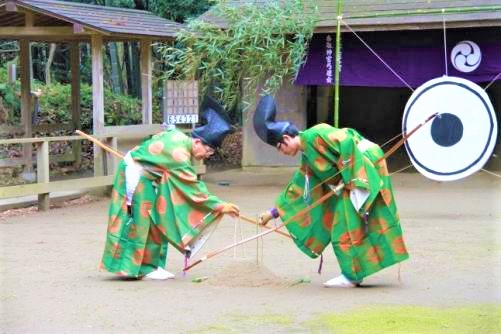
(265, 217)
(230, 209)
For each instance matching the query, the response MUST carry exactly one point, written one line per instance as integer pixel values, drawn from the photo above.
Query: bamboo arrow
(100, 144)
(322, 199)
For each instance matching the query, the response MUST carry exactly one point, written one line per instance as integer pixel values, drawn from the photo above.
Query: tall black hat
(267, 129)
(216, 127)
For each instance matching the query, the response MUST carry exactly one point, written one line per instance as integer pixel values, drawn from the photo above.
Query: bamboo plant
(260, 46)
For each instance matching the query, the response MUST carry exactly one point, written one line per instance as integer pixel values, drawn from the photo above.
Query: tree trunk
(128, 70)
(48, 65)
(135, 71)
(116, 78)
(138, 4)
(37, 54)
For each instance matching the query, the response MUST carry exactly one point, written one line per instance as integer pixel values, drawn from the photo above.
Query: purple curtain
(417, 56)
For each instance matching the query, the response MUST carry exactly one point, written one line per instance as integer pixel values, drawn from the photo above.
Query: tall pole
(338, 63)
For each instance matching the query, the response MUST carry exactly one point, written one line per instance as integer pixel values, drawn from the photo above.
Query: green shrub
(10, 105)
(55, 105)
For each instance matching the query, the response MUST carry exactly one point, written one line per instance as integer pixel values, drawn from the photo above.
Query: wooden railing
(105, 165)
(18, 131)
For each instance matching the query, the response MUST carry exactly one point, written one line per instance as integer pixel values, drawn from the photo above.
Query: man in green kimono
(157, 199)
(360, 220)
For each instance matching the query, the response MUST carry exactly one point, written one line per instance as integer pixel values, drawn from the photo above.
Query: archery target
(459, 141)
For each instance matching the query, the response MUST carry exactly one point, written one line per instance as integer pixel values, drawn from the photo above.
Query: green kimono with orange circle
(169, 205)
(364, 241)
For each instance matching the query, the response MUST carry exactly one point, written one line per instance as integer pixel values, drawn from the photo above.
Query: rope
(257, 245)
(238, 228)
(445, 43)
(401, 169)
(490, 83)
(262, 245)
(391, 139)
(492, 173)
(235, 240)
(378, 57)
(241, 237)
(259, 242)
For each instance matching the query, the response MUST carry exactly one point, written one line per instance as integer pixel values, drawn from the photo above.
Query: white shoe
(159, 274)
(341, 282)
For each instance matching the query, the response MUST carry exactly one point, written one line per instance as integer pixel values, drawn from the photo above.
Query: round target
(460, 139)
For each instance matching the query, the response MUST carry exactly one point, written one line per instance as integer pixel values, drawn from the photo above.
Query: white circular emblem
(460, 140)
(466, 56)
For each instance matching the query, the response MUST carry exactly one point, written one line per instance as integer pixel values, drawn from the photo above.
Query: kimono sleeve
(185, 207)
(195, 192)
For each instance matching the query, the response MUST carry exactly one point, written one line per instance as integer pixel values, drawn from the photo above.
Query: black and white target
(460, 140)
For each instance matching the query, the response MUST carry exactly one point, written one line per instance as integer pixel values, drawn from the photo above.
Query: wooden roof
(111, 22)
(380, 14)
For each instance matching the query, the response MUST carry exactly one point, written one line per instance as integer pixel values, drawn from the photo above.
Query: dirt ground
(50, 282)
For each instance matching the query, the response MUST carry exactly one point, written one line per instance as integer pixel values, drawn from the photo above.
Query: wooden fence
(18, 130)
(105, 165)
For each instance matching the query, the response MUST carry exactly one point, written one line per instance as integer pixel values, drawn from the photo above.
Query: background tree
(51, 66)
(180, 10)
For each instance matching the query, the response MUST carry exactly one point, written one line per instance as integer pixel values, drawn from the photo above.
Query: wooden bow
(321, 200)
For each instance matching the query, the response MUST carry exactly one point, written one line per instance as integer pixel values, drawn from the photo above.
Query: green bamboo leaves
(259, 46)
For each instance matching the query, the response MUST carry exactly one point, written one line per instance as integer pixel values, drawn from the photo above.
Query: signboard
(181, 102)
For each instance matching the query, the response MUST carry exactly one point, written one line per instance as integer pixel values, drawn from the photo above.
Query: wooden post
(43, 174)
(97, 100)
(26, 113)
(29, 19)
(112, 160)
(75, 100)
(145, 63)
(11, 79)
